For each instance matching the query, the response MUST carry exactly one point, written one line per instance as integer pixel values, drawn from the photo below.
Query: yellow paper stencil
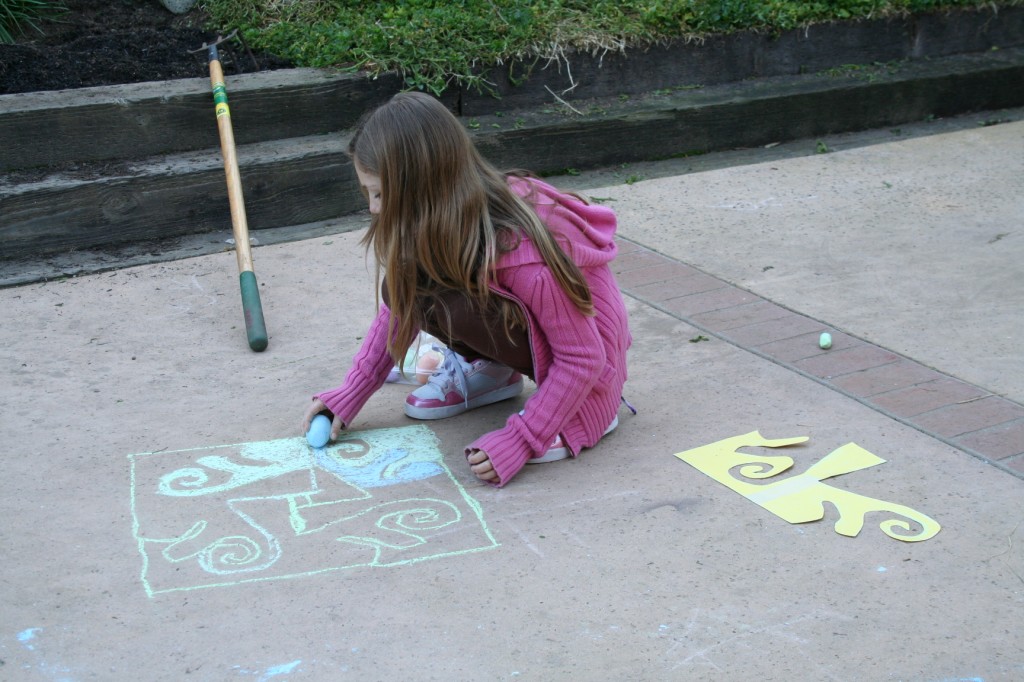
(799, 498)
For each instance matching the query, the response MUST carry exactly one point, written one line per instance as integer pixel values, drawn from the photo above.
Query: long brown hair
(445, 215)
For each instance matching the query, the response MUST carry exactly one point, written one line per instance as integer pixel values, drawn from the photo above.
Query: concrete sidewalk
(910, 250)
(164, 522)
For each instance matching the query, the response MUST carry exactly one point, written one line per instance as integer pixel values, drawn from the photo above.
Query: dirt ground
(109, 42)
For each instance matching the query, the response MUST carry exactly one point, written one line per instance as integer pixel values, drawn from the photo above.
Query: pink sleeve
(577, 360)
(370, 368)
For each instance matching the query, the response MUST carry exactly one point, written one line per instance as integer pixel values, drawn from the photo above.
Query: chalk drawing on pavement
(223, 515)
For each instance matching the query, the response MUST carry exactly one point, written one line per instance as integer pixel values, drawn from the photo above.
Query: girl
(510, 273)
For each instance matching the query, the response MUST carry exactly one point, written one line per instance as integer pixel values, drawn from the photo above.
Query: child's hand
(480, 464)
(315, 408)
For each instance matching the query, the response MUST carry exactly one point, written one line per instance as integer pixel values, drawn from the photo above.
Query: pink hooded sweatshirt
(579, 361)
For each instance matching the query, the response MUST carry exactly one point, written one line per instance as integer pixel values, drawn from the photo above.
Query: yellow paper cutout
(799, 498)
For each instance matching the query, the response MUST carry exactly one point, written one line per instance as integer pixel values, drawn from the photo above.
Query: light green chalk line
(287, 456)
(291, 576)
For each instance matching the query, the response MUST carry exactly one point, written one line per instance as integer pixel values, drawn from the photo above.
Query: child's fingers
(315, 408)
(480, 465)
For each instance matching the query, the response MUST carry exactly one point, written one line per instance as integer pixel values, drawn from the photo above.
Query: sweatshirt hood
(584, 231)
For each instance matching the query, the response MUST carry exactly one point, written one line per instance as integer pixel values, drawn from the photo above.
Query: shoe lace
(451, 369)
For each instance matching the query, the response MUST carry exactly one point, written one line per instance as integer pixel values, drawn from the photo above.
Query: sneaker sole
(510, 391)
(555, 454)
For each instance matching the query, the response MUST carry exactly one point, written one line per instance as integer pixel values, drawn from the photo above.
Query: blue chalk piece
(276, 670)
(28, 635)
(319, 431)
(825, 340)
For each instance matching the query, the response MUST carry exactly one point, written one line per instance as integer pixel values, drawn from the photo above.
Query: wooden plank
(714, 60)
(139, 121)
(289, 191)
(732, 58)
(756, 113)
(291, 183)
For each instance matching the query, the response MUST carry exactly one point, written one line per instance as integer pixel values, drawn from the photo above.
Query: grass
(18, 15)
(435, 43)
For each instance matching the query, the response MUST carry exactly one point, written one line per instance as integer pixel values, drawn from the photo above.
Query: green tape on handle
(255, 327)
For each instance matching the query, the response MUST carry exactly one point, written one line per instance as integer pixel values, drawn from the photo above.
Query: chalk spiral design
(229, 474)
(421, 518)
(406, 525)
(184, 481)
(236, 553)
(230, 553)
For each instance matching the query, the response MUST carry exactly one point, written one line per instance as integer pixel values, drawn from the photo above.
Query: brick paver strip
(957, 413)
(806, 346)
(961, 418)
(654, 273)
(762, 333)
(634, 260)
(709, 301)
(1015, 464)
(927, 396)
(627, 247)
(678, 287)
(846, 361)
(732, 317)
(1005, 440)
(900, 374)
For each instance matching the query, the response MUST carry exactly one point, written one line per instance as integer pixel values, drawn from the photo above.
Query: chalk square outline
(418, 432)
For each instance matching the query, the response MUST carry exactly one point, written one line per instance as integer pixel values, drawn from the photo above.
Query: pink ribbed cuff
(506, 449)
(346, 400)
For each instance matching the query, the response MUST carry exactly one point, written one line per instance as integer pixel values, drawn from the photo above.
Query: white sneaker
(558, 451)
(459, 385)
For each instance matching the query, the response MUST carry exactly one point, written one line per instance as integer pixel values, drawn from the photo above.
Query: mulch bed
(110, 42)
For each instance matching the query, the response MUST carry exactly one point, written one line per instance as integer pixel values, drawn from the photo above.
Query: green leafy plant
(18, 15)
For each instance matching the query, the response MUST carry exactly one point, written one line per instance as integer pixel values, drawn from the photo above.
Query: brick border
(957, 413)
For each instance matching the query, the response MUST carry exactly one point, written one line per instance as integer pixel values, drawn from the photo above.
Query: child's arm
(369, 370)
(576, 362)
